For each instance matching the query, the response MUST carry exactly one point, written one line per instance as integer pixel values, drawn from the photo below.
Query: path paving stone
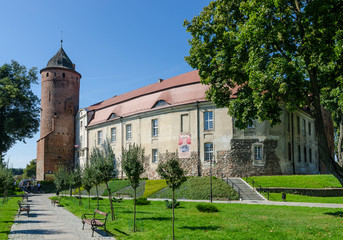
(50, 222)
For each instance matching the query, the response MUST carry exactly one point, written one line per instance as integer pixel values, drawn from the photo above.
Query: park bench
(25, 196)
(55, 201)
(23, 208)
(95, 222)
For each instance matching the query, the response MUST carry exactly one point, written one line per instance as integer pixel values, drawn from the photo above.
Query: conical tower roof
(61, 60)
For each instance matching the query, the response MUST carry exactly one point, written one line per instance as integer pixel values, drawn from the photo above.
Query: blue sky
(117, 46)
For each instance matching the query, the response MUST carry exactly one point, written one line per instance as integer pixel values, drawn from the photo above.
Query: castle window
(208, 151)
(160, 103)
(63, 75)
(298, 125)
(154, 156)
(47, 74)
(258, 152)
(289, 151)
(154, 127)
(128, 132)
(305, 157)
(81, 123)
(99, 137)
(208, 120)
(310, 154)
(304, 128)
(113, 134)
(299, 153)
(309, 129)
(288, 122)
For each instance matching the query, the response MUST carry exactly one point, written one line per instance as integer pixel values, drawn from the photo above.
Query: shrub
(142, 201)
(169, 204)
(206, 207)
(48, 186)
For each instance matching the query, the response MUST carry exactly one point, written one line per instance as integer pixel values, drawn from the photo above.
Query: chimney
(160, 80)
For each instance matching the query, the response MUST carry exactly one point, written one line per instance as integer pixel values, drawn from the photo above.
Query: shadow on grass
(205, 228)
(5, 232)
(335, 214)
(128, 211)
(117, 230)
(156, 218)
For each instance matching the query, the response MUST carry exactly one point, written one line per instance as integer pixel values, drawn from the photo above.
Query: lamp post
(211, 178)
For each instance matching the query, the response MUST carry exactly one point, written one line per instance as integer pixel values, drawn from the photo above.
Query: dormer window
(113, 115)
(160, 103)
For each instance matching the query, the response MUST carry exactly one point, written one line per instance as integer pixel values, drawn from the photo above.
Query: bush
(142, 201)
(169, 204)
(48, 186)
(206, 207)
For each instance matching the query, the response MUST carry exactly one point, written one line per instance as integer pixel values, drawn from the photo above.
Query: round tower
(60, 87)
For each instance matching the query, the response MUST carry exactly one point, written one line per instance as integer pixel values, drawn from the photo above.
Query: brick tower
(60, 87)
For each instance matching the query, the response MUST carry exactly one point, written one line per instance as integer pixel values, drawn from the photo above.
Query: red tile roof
(182, 89)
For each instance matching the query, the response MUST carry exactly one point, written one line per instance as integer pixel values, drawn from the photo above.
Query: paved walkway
(50, 222)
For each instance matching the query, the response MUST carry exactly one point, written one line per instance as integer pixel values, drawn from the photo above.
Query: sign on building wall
(184, 145)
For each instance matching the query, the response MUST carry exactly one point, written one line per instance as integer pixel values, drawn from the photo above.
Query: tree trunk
(324, 153)
(70, 192)
(80, 200)
(173, 212)
(134, 212)
(111, 202)
(89, 200)
(97, 196)
(339, 146)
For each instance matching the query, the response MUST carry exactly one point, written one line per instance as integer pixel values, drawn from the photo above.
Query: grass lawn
(296, 181)
(303, 198)
(233, 221)
(7, 213)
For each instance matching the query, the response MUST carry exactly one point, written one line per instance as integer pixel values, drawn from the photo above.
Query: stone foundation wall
(237, 162)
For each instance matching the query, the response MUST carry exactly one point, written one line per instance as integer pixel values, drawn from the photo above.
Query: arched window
(47, 74)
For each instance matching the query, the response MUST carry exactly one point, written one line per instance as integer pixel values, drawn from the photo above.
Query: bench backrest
(99, 212)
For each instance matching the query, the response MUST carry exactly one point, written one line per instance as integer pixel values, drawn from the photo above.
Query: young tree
(61, 178)
(171, 171)
(133, 166)
(6, 180)
(78, 182)
(88, 180)
(273, 53)
(95, 159)
(106, 166)
(19, 107)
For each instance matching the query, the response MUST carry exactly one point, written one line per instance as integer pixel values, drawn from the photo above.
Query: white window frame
(154, 127)
(128, 132)
(208, 120)
(113, 135)
(154, 156)
(208, 151)
(257, 154)
(99, 137)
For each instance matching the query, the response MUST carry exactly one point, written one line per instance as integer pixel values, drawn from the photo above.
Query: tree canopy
(19, 107)
(274, 53)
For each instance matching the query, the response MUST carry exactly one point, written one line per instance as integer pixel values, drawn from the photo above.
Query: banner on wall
(184, 145)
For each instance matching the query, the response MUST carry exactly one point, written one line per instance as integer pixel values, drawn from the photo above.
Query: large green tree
(275, 53)
(19, 107)
(30, 170)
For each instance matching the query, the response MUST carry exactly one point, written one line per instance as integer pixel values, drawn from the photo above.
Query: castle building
(174, 115)
(60, 86)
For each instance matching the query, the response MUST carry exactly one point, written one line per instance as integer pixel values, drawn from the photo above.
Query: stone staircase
(245, 191)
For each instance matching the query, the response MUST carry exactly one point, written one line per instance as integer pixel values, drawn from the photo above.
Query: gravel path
(50, 222)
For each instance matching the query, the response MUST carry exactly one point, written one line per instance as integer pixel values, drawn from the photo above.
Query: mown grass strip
(233, 221)
(7, 214)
